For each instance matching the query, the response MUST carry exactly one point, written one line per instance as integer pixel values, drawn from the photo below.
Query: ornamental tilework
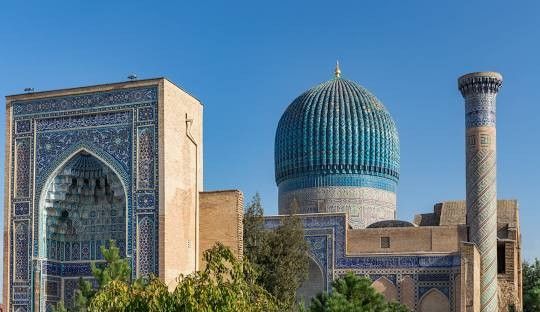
(86, 101)
(52, 146)
(22, 167)
(479, 111)
(81, 121)
(21, 208)
(22, 237)
(70, 285)
(329, 180)
(145, 113)
(23, 126)
(145, 248)
(102, 124)
(145, 201)
(145, 174)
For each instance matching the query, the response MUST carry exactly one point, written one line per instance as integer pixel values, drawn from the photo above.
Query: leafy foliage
(225, 285)
(351, 293)
(281, 255)
(115, 268)
(531, 286)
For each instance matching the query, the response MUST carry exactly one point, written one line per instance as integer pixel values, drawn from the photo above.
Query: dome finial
(337, 72)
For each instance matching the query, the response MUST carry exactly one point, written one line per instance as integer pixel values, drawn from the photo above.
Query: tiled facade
(86, 165)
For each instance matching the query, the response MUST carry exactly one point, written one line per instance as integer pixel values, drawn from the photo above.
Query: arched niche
(384, 286)
(83, 207)
(314, 283)
(407, 292)
(434, 301)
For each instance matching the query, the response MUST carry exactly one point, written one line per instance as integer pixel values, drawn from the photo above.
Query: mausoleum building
(123, 161)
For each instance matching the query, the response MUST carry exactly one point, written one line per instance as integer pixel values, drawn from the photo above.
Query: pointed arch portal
(83, 206)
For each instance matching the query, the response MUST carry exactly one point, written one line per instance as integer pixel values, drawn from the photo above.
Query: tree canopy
(280, 254)
(225, 285)
(351, 293)
(531, 286)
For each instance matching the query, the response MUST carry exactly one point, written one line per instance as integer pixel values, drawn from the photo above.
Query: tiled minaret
(480, 92)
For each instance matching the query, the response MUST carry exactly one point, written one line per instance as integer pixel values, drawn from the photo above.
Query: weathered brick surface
(220, 220)
(406, 239)
(180, 180)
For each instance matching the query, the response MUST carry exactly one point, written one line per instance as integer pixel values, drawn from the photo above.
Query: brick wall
(220, 220)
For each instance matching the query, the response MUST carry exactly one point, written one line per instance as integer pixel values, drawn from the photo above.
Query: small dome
(390, 223)
(337, 127)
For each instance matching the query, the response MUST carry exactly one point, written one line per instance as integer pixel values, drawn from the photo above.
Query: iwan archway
(83, 206)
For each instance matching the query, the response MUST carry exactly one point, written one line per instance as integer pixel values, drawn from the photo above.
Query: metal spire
(337, 71)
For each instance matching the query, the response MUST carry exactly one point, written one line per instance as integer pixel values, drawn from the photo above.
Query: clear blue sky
(248, 60)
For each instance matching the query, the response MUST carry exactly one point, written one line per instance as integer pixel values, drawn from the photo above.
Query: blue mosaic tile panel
(21, 293)
(53, 288)
(81, 121)
(54, 146)
(145, 113)
(145, 151)
(20, 308)
(23, 126)
(372, 181)
(70, 285)
(145, 246)
(22, 242)
(21, 208)
(22, 167)
(85, 101)
(145, 201)
(433, 277)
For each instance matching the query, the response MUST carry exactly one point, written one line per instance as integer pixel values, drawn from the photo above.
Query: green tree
(115, 268)
(351, 293)
(280, 254)
(59, 307)
(255, 236)
(531, 286)
(225, 285)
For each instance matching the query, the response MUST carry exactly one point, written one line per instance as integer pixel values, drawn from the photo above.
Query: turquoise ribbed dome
(336, 129)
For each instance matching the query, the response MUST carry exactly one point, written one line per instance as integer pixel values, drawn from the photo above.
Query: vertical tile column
(480, 91)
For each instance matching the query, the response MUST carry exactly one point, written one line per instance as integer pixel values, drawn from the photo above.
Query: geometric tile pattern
(146, 247)
(21, 208)
(22, 175)
(46, 134)
(480, 91)
(23, 126)
(145, 162)
(21, 251)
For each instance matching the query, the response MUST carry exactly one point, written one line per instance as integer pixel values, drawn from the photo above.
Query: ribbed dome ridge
(337, 127)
